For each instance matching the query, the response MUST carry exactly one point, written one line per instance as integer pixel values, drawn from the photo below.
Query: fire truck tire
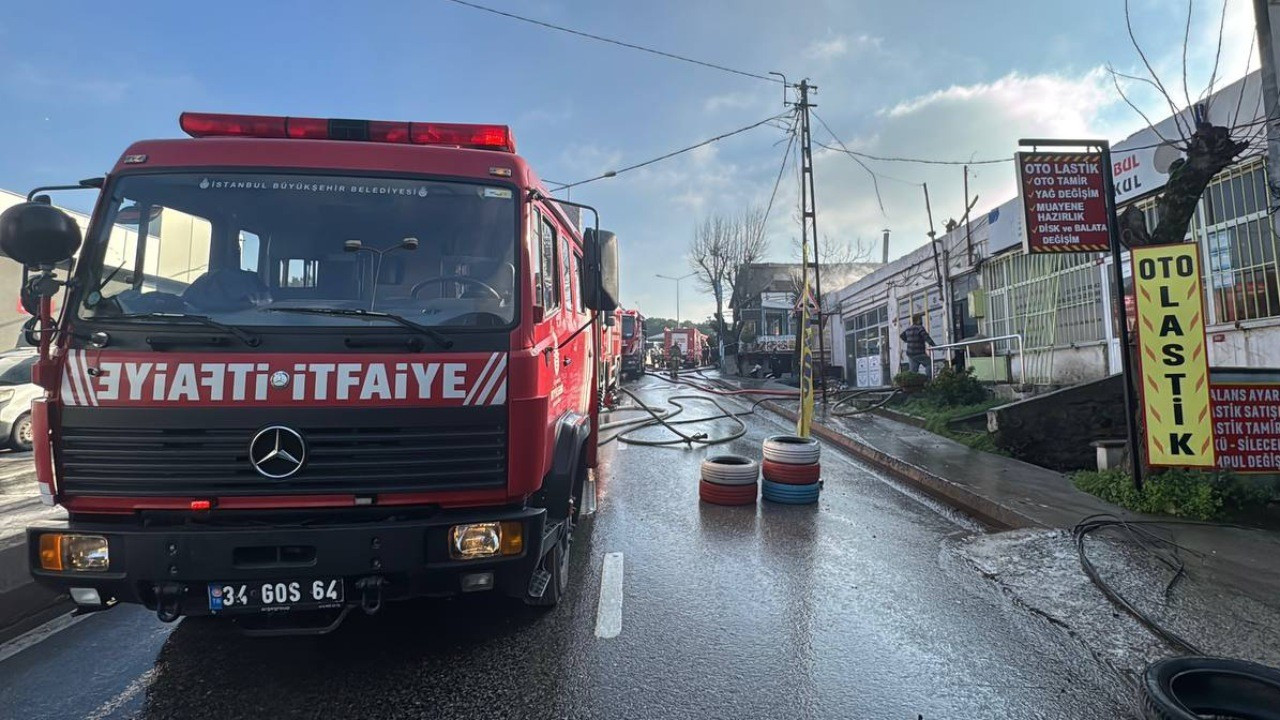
(790, 494)
(726, 494)
(730, 470)
(791, 450)
(555, 563)
(1186, 688)
(791, 474)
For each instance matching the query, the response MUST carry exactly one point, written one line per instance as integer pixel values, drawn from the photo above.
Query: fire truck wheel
(556, 561)
(556, 564)
(22, 437)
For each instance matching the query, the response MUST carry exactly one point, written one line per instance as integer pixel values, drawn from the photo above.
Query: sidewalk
(1006, 494)
(20, 598)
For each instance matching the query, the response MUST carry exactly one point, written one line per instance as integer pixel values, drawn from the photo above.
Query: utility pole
(809, 220)
(1268, 47)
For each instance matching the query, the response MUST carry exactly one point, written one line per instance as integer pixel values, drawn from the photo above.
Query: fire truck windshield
(234, 247)
(628, 326)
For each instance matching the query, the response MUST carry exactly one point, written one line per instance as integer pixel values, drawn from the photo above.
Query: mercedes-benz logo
(277, 452)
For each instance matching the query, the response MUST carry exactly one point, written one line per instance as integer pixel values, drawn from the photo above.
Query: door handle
(567, 361)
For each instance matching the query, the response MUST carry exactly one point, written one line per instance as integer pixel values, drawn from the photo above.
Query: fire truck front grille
(139, 452)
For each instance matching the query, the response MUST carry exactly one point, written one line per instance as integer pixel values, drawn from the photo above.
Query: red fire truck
(632, 324)
(691, 342)
(306, 365)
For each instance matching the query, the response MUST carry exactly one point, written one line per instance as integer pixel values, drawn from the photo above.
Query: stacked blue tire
(791, 470)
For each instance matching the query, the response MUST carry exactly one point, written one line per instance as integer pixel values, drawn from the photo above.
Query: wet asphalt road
(847, 609)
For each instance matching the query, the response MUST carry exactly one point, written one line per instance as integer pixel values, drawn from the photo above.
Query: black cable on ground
(1151, 542)
(850, 395)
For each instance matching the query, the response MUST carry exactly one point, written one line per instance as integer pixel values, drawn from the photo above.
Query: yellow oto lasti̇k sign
(1173, 355)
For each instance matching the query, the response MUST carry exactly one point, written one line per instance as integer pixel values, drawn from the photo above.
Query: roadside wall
(1054, 430)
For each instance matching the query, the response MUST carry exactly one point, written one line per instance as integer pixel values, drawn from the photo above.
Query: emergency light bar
(481, 137)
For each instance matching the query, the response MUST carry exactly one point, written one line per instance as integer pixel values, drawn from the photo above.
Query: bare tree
(1207, 148)
(721, 246)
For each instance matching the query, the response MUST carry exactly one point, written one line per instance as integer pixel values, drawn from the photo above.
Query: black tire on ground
(1190, 688)
(21, 436)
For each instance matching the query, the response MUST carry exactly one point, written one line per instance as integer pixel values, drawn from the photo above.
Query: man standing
(916, 338)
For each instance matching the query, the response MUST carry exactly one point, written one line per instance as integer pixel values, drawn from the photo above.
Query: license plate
(275, 595)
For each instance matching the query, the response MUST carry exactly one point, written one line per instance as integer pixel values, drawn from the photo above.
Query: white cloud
(730, 101)
(828, 49)
(961, 122)
(839, 45)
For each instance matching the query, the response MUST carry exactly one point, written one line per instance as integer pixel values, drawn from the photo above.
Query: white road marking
(140, 683)
(609, 613)
(40, 634)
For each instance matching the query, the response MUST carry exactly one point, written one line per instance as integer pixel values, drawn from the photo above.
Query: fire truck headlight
(485, 540)
(60, 551)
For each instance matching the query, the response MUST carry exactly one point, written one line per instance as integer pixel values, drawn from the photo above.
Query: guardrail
(1022, 365)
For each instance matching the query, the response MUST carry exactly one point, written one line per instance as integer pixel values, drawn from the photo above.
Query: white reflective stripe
(88, 379)
(73, 368)
(499, 371)
(475, 387)
(500, 395)
(68, 393)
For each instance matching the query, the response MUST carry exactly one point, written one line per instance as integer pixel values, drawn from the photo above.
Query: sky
(940, 80)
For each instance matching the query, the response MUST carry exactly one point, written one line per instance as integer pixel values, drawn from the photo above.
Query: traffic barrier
(791, 474)
(730, 470)
(710, 492)
(790, 494)
(791, 450)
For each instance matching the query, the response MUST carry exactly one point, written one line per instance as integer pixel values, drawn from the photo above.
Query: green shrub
(953, 387)
(1180, 493)
(909, 381)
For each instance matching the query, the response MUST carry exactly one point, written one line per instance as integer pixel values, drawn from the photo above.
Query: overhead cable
(620, 43)
(613, 173)
(875, 180)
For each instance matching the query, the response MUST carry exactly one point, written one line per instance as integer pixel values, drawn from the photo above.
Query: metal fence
(1052, 300)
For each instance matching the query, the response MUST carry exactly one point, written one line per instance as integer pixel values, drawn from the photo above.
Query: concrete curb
(985, 510)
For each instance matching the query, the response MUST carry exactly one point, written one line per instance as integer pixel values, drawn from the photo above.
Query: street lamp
(677, 281)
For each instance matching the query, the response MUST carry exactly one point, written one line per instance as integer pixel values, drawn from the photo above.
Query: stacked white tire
(729, 480)
(792, 472)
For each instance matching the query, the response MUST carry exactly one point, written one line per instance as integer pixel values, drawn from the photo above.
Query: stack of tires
(792, 474)
(729, 480)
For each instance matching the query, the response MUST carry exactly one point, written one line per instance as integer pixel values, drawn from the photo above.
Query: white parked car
(16, 393)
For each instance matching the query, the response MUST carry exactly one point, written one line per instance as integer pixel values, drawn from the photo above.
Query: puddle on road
(1039, 570)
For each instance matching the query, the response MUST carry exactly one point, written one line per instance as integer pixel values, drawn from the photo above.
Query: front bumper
(410, 556)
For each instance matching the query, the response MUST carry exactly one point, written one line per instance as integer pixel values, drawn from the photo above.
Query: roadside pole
(1088, 241)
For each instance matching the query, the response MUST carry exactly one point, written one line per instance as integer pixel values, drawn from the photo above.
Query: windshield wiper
(245, 336)
(435, 335)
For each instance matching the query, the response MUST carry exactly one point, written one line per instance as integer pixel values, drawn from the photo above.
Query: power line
(614, 173)
(786, 155)
(620, 43)
(920, 161)
(875, 181)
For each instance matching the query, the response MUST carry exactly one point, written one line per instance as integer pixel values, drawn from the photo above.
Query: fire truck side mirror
(610, 321)
(38, 235)
(601, 256)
